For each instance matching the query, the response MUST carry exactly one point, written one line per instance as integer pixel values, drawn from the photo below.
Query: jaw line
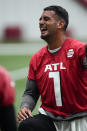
(45, 38)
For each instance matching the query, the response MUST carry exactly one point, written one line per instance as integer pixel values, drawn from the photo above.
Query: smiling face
(48, 24)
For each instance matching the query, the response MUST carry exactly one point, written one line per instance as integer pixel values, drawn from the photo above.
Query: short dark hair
(60, 12)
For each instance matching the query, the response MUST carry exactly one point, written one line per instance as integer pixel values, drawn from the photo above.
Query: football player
(57, 73)
(7, 96)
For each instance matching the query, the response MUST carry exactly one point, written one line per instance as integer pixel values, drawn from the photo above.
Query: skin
(23, 114)
(52, 31)
(54, 34)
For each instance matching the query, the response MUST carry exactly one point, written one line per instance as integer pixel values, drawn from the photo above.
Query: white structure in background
(26, 13)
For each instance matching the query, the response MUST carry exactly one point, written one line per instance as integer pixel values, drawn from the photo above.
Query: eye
(46, 18)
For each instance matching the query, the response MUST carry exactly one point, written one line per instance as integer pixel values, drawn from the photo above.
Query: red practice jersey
(7, 91)
(61, 79)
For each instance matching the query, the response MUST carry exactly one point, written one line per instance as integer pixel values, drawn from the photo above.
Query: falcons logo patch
(70, 53)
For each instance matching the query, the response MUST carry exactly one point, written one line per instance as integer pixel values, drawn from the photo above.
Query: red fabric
(72, 78)
(7, 91)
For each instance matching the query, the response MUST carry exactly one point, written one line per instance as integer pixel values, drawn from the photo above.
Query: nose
(41, 22)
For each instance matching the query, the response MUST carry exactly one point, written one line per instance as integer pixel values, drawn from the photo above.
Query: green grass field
(12, 63)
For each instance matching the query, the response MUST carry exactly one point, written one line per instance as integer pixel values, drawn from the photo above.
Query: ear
(60, 24)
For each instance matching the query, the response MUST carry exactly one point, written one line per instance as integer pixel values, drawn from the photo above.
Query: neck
(56, 41)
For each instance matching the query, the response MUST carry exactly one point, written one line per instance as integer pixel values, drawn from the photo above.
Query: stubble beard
(45, 38)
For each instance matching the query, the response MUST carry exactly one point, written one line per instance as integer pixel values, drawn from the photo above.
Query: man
(7, 94)
(57, 73)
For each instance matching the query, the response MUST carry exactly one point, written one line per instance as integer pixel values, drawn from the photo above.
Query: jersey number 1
(57, 87)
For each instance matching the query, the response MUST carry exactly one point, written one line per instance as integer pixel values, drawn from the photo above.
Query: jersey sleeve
(7, 90)
(32, 69)
(81, 53)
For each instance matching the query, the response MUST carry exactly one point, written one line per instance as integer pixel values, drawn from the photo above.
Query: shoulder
(5, 77)
(74, 47)
(41, 53)
(3, 72)
(74, 43)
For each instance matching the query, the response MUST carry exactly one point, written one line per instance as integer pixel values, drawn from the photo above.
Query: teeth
(43, 29)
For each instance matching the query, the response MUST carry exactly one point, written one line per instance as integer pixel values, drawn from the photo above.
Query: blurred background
(19, 18)
(20, 34)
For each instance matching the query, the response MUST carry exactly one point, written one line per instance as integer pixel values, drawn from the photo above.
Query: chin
(44, 37)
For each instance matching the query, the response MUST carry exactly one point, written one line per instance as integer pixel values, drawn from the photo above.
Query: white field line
(20, 49)
(19, 73)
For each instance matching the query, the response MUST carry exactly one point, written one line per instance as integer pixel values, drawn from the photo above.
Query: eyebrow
(44, 17)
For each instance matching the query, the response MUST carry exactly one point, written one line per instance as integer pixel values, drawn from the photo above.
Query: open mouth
(43, 30)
